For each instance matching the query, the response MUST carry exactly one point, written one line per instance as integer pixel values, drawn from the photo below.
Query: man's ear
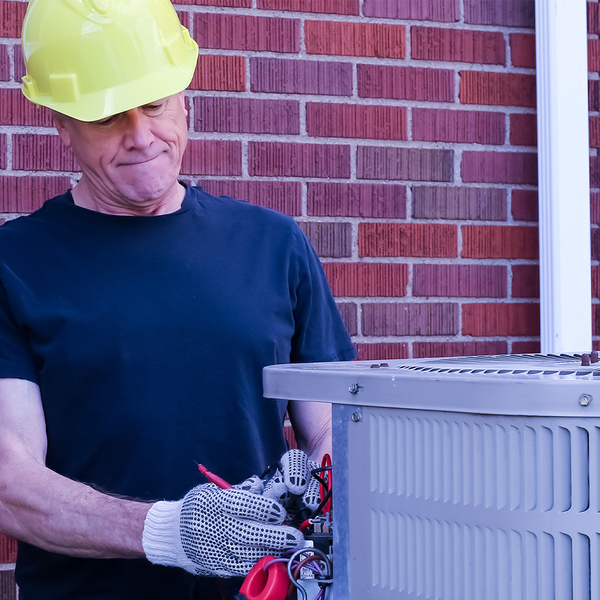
(60, 122)
(182, 100)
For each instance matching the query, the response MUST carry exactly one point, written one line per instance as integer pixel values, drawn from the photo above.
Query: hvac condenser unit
(461, 478)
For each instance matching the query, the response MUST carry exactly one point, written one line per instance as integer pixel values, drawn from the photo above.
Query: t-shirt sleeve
(16, 360)
(320, 334)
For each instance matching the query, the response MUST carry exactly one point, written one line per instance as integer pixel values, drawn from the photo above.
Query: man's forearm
(44, 509)
(312, 427)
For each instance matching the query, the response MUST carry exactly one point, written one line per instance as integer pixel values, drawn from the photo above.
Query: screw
(585, 400)
(354, 388)
(355, 417)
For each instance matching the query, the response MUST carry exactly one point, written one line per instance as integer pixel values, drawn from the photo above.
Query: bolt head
(585, 400)
(355, 417)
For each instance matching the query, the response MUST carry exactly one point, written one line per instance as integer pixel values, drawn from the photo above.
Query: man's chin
(145, 191)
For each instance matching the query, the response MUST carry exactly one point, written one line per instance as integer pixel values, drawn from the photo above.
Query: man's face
(132, 158)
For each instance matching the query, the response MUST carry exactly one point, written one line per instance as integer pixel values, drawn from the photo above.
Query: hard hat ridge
(90, 59)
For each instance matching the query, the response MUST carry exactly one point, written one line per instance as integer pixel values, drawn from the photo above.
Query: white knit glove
(217, 532)
(290, 484)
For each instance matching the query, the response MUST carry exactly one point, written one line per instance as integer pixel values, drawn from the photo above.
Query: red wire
(304, 525)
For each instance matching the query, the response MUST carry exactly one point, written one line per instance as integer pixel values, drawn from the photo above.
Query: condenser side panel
(454, 506)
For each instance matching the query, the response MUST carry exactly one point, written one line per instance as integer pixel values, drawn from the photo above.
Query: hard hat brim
(126, 96)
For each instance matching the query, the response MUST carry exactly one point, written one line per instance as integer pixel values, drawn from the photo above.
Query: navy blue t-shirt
(147, 337)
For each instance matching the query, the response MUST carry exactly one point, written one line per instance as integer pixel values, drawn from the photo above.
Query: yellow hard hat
(90, 59)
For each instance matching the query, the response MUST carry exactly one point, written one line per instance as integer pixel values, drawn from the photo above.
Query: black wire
(323, 503)
(325, 485)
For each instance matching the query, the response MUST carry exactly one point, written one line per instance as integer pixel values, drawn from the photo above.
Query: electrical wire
(317, 555)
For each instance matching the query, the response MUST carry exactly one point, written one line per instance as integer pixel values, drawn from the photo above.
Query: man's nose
(138, 130)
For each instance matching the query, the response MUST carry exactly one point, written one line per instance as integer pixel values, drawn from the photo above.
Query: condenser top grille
(563, 366)
(519, 384)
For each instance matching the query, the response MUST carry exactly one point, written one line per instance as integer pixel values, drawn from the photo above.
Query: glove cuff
(161, 540)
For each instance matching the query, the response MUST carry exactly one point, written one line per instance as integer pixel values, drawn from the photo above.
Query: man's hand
(217, 532)
(289, 483)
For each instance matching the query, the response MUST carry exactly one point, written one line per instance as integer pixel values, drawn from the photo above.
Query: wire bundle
(315, 560)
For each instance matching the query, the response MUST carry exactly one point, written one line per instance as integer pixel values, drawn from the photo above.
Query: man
(136, 315)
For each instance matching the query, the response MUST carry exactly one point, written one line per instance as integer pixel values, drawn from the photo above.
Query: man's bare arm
(48, 510)
(312, 427)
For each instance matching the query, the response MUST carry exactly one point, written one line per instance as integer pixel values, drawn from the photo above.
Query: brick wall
(401, 134)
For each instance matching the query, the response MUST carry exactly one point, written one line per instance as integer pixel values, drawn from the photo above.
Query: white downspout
(563, 167)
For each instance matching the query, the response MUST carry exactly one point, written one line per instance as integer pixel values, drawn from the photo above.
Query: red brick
(595, 281)
(499, 167)
(461, 126)
(501, 319)
(284, 196)
(509, 13)
(356, 121)
(594, 132)
(594, 55)
(184, 18)
(595, 234)
(593, 17)
(407, 239)
(11, 18)
(412, 164)
(497, 89)
(366, 200)
(19, 65)
(525, 281)
(290, 438)
(594, 95)
(42, 153)
(522, 50)
(524, 205)
(596, 319)
(458, 45)
(525, 347)
(227, 3)
(349, 313)
(594, 172)
(4, 63)
(462, 281)
(244, 32)
(434, 349)
(15, 109)
(246, 115)
(8, 550)
(595, 208)
(410, 319)
(498, 241)
(417, 10)
(8, 588)
(283, 76)
(26, 194)
(330, 240)
(220, 73)
(367, 280)
(3, 151)
(275, 159)
(405, 83)
(384, 351)
(523, 129)
(212, 157)
(464, 203)
(355, 39)
(335, 7)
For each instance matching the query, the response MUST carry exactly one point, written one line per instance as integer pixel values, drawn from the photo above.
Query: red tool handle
(271, 585)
